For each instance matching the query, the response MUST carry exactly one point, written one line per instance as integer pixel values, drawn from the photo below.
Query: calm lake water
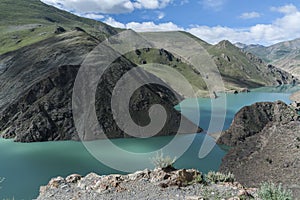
(28, 166)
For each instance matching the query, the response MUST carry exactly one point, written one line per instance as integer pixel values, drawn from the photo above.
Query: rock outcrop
(251, 120)
(147, 184)
(265, 140)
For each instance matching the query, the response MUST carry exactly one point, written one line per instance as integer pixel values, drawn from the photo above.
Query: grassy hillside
(26, 22)
(237, 68)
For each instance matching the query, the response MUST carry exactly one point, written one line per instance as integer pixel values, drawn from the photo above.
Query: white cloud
(107, 6)
(111, 21)
(151, 26)
(145, 26)
(161, 15)
(151, 4)
(213, 4)
(282, 29)
(287, 9)
(92, 16)
(182, 2)
(250, 15)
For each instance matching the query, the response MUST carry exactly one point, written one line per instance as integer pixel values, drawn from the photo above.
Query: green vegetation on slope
(238, 69)
(143, 57)
(27, 22)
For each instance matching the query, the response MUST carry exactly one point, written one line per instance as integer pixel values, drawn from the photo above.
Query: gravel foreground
(150, 185)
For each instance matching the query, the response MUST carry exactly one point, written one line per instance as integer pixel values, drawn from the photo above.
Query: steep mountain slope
(238, 69)
(242, 69)
(37, 77)
(285, 55)
(26, 22)
(36, 88)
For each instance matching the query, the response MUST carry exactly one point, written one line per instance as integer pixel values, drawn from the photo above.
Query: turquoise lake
(28, 166)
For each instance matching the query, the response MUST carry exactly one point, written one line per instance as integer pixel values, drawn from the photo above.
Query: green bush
(218, 177)
(161, 161)
(197, 179)
(269, 191)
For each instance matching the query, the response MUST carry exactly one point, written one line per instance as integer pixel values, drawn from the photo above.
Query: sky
(264, 22)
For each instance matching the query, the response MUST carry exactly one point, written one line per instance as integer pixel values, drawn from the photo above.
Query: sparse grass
(172, 63)
(218, 177)
(197, 179)
(161, 161)
(269, 191)
(27, 22)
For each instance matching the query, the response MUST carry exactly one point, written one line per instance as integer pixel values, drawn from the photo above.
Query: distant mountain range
(285, 55)
(42, 48)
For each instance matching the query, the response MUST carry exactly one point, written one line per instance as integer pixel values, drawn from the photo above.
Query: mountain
(42, 49)
(266, 148)
(242, 69)
(238, 69)
(285, 55)
(36, 81)
(27, 22)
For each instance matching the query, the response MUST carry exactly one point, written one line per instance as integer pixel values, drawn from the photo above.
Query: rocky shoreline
(155, 184)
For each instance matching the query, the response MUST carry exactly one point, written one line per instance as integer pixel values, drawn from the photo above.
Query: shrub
(197, 179)
(269, 191)
(218, 177)
(161, 161)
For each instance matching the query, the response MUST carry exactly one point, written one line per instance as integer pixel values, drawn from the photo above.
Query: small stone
(193, 198)
(74, 178)
(55, 182)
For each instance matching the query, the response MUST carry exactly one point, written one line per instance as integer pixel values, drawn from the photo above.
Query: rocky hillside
(37, 77)
(156, 184)
(42, 49)
(285, 55)
(250, 120)
(265, 140)
(36, 90)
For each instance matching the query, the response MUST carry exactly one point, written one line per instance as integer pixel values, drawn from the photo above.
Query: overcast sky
(251, 22)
